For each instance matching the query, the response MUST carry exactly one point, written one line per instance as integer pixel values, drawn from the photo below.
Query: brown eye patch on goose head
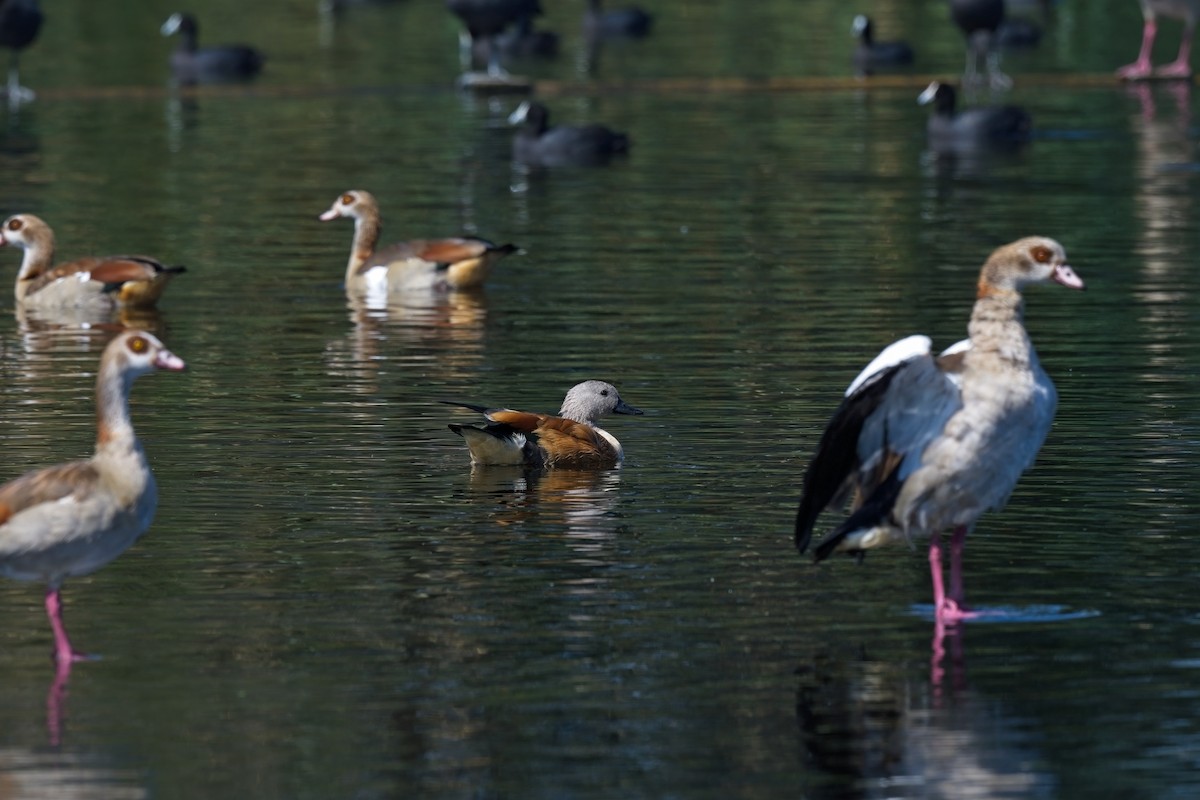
(1042, 254)
(15, 224)
(138, 344)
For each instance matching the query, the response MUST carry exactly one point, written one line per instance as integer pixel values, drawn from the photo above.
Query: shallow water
(331, 604)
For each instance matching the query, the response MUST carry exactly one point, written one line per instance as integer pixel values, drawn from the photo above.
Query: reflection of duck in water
(418, 264)
(924, 444)
(581, 501)
(94, 285)
(571, 440)
(71, 519)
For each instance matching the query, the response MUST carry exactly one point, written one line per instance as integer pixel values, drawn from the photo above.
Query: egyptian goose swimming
(96, 284)
(20, 21)
(950, 130)
(571, 440)
(1181, 67)
(870, 55)
(537, 143)
(72, 519)
(191, 63)
(453, 263)
(979, 20)
(921, 444)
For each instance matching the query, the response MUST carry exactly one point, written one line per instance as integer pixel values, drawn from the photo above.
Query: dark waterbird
(870, 55)
(921, 444)
(628, 22)
(950, 130)
(521, 40)
(20, 21)
(979, 20)
(485, 20)
(538, 143)
(191, 63)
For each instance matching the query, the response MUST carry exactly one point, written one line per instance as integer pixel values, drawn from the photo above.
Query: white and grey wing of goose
(897, 405)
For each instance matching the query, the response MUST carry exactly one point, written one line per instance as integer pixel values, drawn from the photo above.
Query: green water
(330, 603)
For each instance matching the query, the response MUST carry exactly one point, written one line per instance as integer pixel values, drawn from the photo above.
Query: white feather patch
(895, 353)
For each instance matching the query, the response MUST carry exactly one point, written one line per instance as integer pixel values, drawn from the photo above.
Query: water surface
(331, 604)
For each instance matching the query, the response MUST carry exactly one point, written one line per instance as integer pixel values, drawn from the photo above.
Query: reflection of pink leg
(1181, 67)
(56, 702)
(1141, 68)
(63, 651)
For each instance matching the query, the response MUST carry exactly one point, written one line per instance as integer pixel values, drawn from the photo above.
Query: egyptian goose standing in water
(571, 440)
(922, 444)
(97, 284)
(72, 519)
(1181, 67)
(419, 264)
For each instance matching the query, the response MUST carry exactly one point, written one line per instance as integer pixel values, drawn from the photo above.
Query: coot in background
(191, 63)
(870, 55)
(952, 131)
(540, 144)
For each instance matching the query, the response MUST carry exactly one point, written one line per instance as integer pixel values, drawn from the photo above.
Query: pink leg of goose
(957, 542)
(63, 652)
(1181, 67)
(947, 609)
(1141, 68)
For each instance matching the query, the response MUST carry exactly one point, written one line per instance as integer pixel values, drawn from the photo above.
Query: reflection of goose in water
(445, 329)
(923, 443)
(1164, 218)
(873, 730)
(41, 774)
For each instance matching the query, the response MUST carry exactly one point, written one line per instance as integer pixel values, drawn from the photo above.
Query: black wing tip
(471, 406)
